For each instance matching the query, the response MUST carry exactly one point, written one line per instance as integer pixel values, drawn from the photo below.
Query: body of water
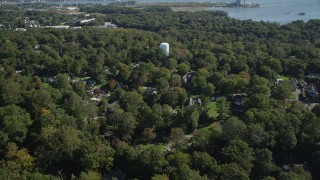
(282, 11)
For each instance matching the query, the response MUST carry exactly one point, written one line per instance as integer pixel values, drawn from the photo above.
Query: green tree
(259, 85)
(160, 177)
(18, 160)
(149, 134)
(208, 89)
(131, 102)
(178, 159)
(14, 123)
(170, 97)
(63, 81)
(263, 164)
(127, 125)
(95, 155)
(205, 164)
(282, 91)
(171, 63)
(239, 152)
(90, 175)
(183, 68)
(151, 161)
(233, 171)
(80, 89)
(260, 101)
(185, 172)
(223, 108)
(58, 148)
(10, 92)
(234, 129)
(177, 136)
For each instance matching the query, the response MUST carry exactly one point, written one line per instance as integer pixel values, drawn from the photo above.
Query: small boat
(302, 14)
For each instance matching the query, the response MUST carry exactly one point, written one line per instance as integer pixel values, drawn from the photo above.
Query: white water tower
(165, 48)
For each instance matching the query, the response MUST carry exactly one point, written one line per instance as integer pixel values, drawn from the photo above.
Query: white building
(110, 25)
(87, 20)
(58, 27)
(72, 8)
(165, 48)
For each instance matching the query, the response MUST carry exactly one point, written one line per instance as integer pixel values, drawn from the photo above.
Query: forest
(105, 103)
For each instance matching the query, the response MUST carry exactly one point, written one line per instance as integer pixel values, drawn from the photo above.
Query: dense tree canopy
(104, 102)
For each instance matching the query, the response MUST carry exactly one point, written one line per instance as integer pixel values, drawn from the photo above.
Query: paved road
(297, 94)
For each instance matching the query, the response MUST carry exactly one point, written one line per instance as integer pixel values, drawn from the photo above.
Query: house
(110, 25)
(311, 91)
(90, 82)
(214, 98)
(238, 99)
(302, 83)
(194, 101)
(135, 65)
(37, 46)
(51, 79)
(187, 77)
(18, 71)
(290, 167)
(287, 167)
(150, 91)
(95, 99)
(97, 91)
(238, 102)
(313, 76)
(119, 86)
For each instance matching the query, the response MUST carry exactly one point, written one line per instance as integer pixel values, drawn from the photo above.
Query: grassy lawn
(283, 77)
(161, 146)
(45, 85)
(292, 96)
(212, 106)
(216, 126)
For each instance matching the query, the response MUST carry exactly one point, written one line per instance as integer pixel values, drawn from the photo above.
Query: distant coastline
(236, 4)
(268, 11)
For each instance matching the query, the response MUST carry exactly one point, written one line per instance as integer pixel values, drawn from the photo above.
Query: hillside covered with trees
(96, 103)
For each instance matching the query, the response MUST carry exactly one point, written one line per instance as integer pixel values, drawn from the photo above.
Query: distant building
(20, 29)
(110, 25)
(71, 8)
(31, 24)
(87, 20)
(58, 27)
